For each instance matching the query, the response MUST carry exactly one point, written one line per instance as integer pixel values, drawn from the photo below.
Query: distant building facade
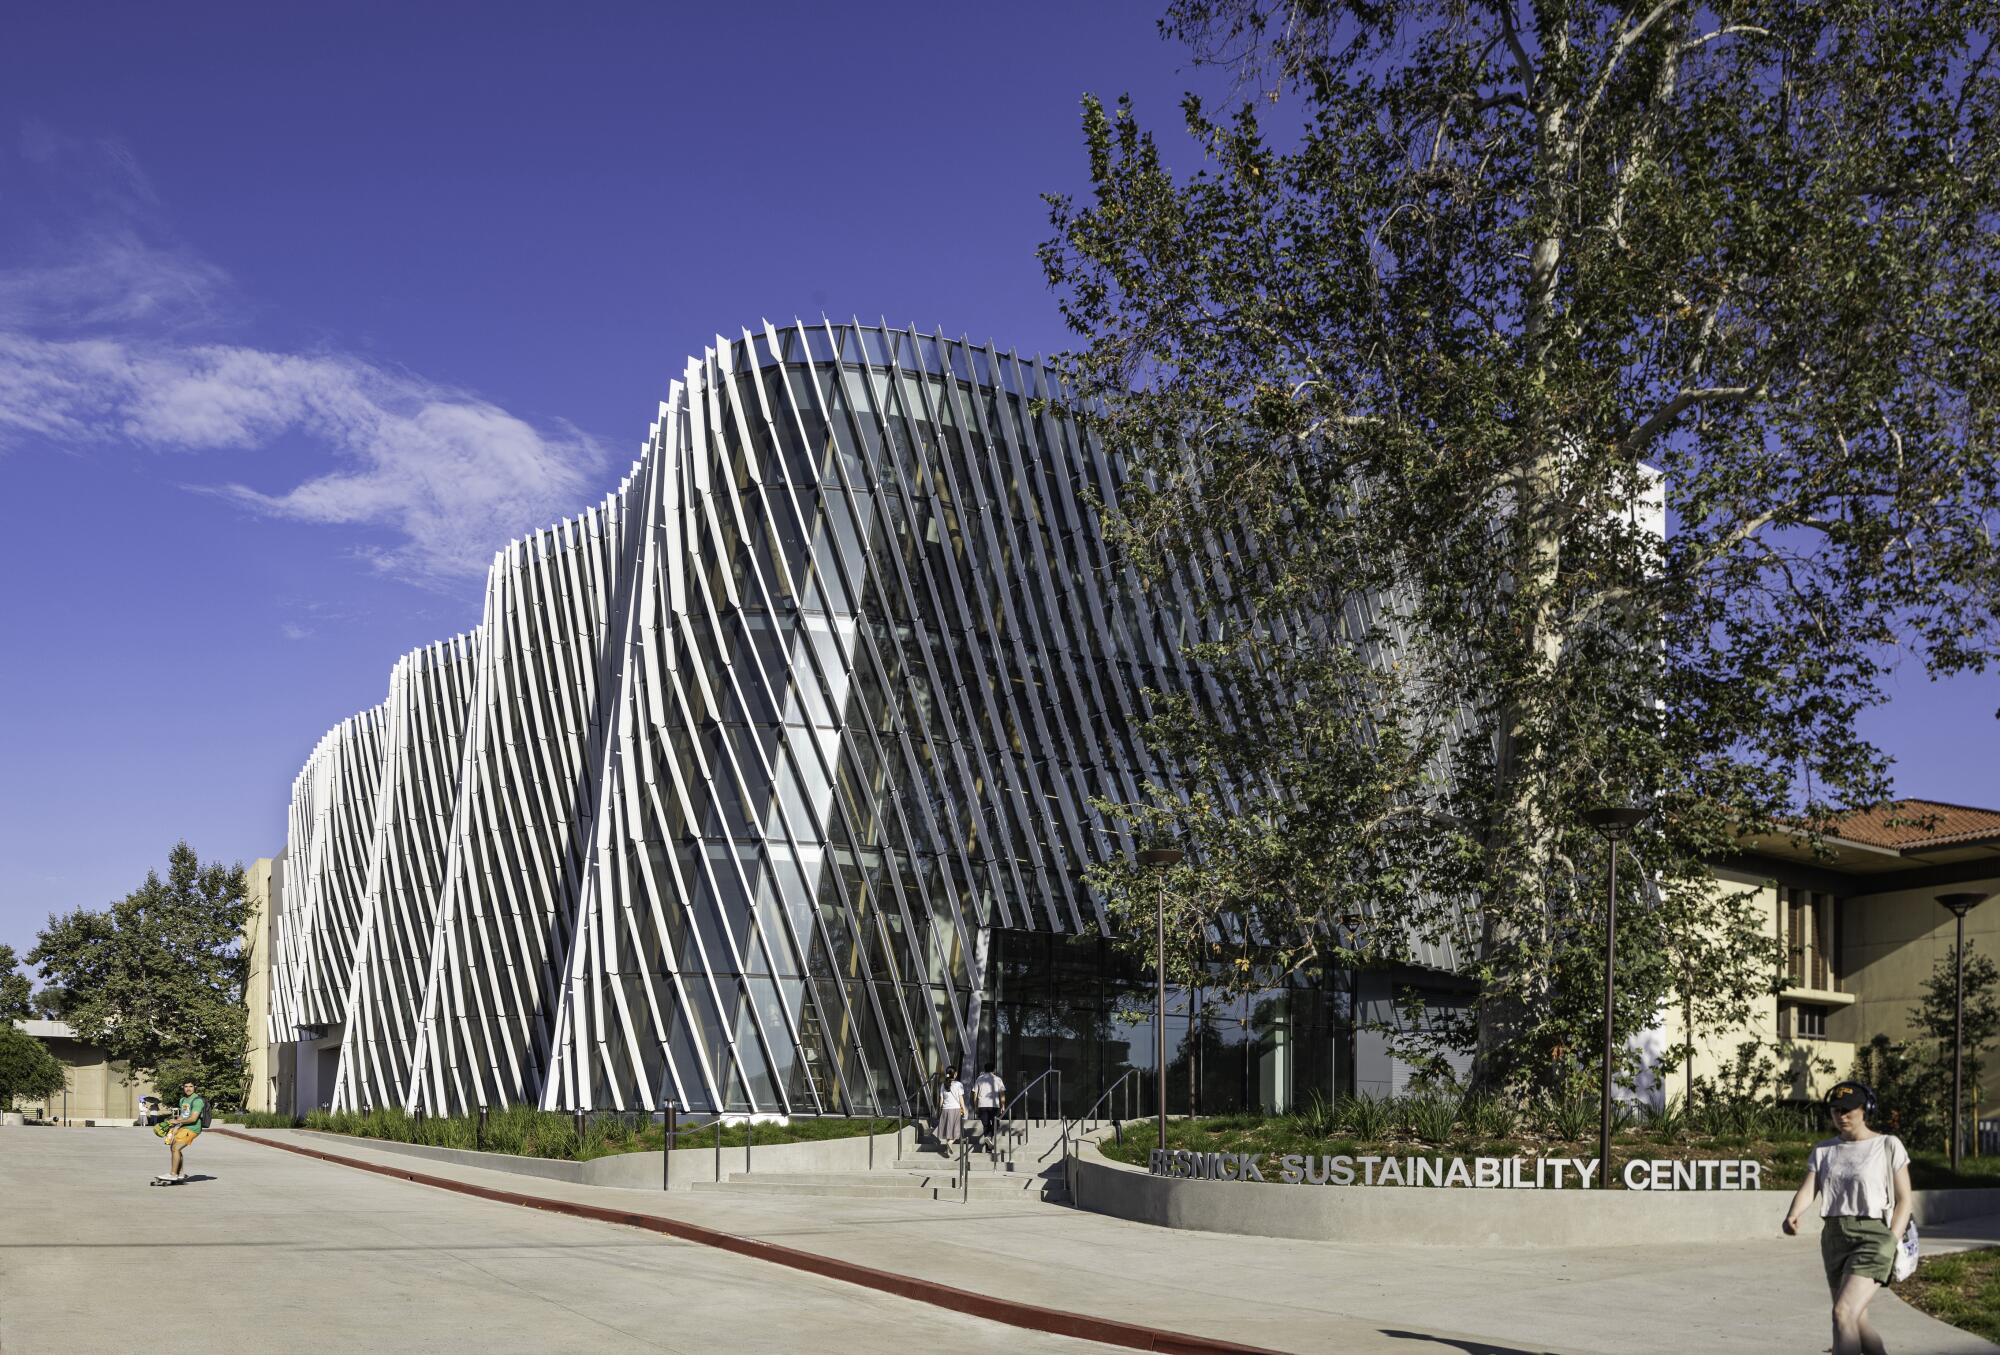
(1860, 931)
(270, 1055)
(97, 1088)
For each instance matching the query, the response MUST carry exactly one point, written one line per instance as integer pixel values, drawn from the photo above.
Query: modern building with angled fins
(765, 784)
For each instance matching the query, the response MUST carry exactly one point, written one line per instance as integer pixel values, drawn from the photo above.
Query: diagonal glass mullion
(961, 741)
(888, 469)
(1078, 737)
(1018, 633)
(972, 511)
(1135, 760)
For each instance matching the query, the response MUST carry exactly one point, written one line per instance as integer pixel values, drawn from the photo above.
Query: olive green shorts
(1856, 1246)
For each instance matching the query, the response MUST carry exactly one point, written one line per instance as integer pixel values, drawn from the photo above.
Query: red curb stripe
(1012, 1313)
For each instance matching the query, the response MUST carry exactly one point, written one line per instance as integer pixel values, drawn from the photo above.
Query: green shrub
(527, 1132)
(1366, 1116)
(264, 1119)
(1568, 1118)
(1491, 1117)
(1430, 1117)
(1668, 1120)
(1318, 1118)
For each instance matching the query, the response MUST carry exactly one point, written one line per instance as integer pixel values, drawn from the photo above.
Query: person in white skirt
(1862, 1178)
(951, 1109)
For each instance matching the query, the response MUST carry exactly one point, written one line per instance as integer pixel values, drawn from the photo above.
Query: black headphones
(1868, 1101)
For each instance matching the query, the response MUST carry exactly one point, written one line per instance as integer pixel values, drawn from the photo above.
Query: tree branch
(1664, 417)
(1522, 65)
(1726, 30)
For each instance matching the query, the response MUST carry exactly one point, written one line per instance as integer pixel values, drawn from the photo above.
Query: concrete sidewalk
(275, 1254)
(1296, 1296)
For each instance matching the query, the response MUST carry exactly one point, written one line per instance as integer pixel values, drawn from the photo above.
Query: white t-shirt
(987, 1089)
(953, 1097)
(1858, 1177)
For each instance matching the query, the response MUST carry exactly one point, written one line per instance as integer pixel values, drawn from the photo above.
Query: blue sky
(304, 311)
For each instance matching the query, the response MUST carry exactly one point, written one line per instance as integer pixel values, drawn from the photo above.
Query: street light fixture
(1161, 859)
(1612, 822)
(1960, 905)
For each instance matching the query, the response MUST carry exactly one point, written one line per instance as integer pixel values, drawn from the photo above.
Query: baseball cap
(1849, 1096)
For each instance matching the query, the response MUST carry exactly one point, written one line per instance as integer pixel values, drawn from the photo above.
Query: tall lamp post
(1613, 822)
(1161, 859)
(1960, 905)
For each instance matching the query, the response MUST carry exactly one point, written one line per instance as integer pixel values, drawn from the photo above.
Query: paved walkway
(1309, 1297)
(328, 1252)
(276, 1253)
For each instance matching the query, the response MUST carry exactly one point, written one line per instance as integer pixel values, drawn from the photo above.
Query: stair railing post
(1063, 1113)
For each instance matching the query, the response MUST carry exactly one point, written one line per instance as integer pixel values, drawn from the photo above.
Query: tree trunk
(1687, 1033)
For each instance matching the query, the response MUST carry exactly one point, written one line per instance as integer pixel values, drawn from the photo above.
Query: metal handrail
(1129, 1075)
(1022, 1095)
(1009, 1113)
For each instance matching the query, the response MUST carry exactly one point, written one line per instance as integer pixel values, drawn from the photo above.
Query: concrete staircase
(1017, 1172)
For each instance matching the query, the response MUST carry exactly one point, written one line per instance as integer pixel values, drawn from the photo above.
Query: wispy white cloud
(114, 278)
(453, 476)
(113, 339)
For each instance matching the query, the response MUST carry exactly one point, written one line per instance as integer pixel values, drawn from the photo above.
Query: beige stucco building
(268, 1063)
(1861, 929)
(98, 1088)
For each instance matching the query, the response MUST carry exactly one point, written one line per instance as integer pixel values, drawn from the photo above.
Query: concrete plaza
(280, 1252)
(277, 1253)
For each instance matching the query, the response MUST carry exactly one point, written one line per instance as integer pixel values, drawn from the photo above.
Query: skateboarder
(190, 1118)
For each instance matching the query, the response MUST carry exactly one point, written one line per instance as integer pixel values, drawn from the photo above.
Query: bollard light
(1161, 859)
(1612, 822)
(1960, 905)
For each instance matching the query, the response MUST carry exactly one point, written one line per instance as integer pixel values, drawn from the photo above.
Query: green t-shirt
(190, 1110)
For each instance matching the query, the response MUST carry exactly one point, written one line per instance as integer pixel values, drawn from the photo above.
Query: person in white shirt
(1862, 1178)
(951, 1108)
(989, 1098)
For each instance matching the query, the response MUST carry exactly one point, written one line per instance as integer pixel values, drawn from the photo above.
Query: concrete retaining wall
(641, 1171)
(1436, 1217)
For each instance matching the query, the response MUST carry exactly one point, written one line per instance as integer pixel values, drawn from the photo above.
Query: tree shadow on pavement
(1469, 1347)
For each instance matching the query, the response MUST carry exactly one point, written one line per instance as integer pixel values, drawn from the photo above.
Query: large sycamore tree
(1553, 403)
(157, 979)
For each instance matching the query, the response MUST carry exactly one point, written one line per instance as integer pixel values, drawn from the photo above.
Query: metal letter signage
(1478, 1173)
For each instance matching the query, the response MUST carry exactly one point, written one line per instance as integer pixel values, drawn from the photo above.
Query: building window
(1807, 922)
(1808, 1023)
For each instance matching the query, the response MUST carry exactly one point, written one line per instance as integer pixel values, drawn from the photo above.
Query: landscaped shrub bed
(263, 1119)
(553, 1134)
(1432, 1124)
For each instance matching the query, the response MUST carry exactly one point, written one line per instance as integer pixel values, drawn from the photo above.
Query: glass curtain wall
(1078, 1004)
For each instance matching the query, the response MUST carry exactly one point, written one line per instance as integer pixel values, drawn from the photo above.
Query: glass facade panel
(765, 783)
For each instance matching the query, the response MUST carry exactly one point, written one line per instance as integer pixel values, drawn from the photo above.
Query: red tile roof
(1903, 824)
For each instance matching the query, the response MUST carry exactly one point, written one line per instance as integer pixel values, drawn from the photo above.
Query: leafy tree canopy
(1552, 403)
(157, 980)
(1936, 1015)
(27, 1070)
(17, 1001)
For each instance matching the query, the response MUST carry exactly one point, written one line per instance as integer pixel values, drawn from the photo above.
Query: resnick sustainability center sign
(1475, 1173)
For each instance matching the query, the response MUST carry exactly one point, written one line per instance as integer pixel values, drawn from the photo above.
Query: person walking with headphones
(1862, 1178)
